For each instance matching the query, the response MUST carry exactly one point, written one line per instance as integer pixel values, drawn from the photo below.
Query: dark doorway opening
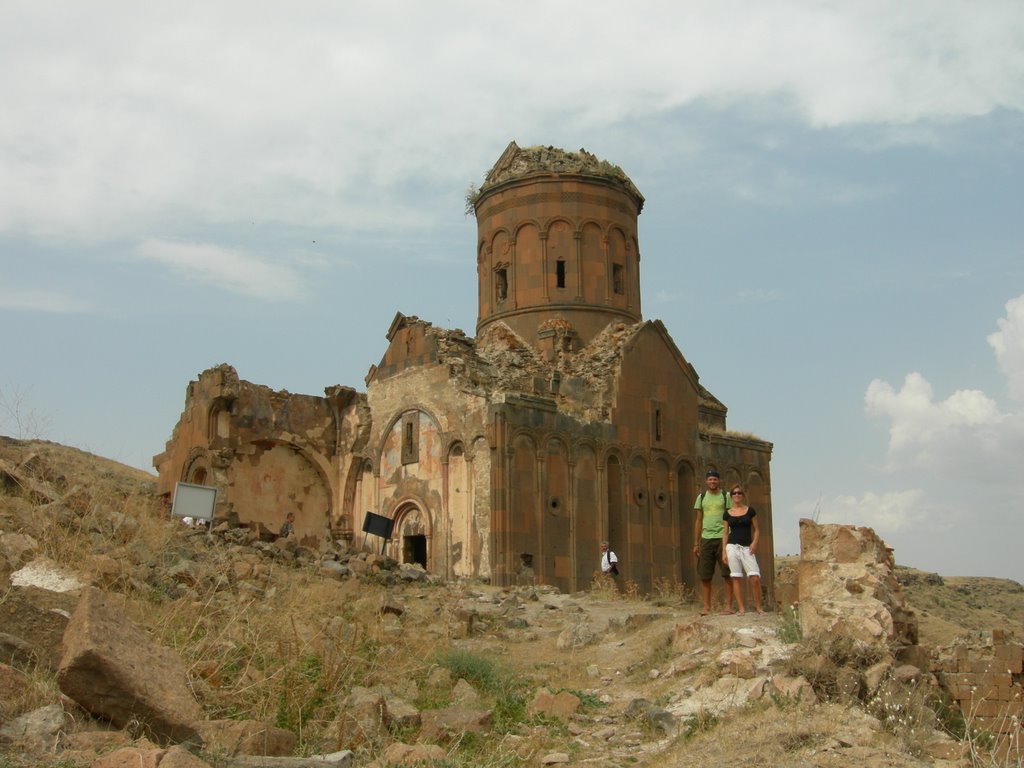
(414, 550)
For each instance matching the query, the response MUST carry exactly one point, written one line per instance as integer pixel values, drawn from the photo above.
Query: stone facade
(568, 419)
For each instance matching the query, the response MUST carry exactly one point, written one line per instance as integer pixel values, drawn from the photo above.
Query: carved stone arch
(612, 451)
(435, 416)
(589, 507)
(273, 476)
(620, 273)
(528, 434)
(638, 454)
(614, 228)
(474, 444)
(584, 444)
(594, 266)
(398, 415)
(527, 224)
(557, 491)
(664, 519)
(317, 460)
(558, 437)
(686, 478)
(546, 227)
(198, 461)
(218, 418)
(454, 446)
(359, 468)
(684, 463)
(661, 482)
(758, 492)
(412, 533)
(616, 528)
(639, 473)
(730, 476)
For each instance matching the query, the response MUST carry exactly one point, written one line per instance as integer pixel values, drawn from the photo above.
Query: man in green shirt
(709, 507)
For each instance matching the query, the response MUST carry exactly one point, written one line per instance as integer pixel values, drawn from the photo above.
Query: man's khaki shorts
(711, 553)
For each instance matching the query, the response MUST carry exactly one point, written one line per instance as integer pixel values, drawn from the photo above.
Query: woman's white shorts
(741, 561)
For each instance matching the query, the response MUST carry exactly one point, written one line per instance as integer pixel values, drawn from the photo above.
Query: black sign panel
(378, 525)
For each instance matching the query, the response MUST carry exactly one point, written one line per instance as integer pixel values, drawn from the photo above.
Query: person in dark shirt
(287, 527)
(739, 547)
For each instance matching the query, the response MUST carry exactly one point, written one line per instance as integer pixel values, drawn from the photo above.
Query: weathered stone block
(117, 671)
(246, 737)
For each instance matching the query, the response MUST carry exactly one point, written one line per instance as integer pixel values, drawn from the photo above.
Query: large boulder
(116, 670)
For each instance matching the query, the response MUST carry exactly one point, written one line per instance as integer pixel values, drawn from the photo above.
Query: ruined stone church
(568, 419)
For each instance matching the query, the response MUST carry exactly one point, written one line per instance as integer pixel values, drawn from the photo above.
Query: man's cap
(712, 473)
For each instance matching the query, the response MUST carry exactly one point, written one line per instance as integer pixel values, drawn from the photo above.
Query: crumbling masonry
(509, 456)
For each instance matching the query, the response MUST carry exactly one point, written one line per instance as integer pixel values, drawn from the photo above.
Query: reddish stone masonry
(986, 684)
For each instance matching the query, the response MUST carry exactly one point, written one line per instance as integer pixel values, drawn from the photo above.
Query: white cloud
(921, 429)
(887, 513)
(1008, 343)
(119, 114)
(31, 300)
(964, 447)
(231, 270)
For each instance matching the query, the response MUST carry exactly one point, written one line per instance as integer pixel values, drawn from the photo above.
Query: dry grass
(283, 644)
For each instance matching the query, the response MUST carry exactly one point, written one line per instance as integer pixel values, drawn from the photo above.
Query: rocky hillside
(130, 639)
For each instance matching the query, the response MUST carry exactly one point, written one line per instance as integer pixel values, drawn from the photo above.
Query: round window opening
(641, 497)
(555, 504)
(661, 498)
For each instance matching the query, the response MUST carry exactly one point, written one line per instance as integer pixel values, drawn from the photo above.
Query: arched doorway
(412, 535)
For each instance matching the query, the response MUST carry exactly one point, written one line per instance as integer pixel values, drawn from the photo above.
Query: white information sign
(195, 501)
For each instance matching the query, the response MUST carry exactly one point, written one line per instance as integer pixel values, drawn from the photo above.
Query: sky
(833, 230)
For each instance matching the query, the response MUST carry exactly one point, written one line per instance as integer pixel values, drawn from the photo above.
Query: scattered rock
(116, 671)
(562, 705)
(46, 574)
(362, 718)
(464, 694)
(554, 758)
(37, 731)
(575, 636)
(245, 737)
(443, 725)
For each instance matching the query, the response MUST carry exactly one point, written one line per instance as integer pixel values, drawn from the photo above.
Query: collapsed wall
(845, 585)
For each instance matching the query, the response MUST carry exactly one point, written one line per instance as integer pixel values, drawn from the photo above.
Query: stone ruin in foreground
(845, 586)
